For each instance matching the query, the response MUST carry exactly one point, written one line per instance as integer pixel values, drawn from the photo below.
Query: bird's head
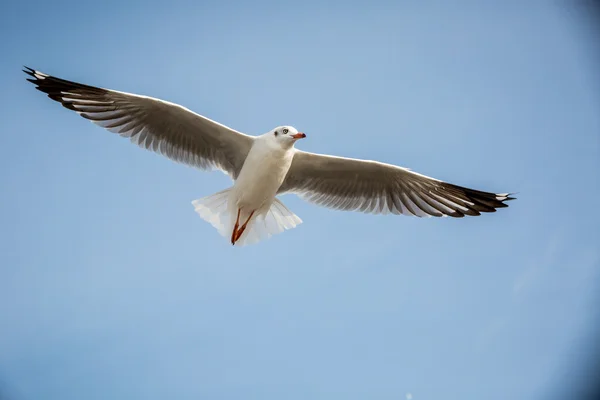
(285, 136)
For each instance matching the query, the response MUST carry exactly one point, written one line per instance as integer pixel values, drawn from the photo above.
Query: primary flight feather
(263, 166)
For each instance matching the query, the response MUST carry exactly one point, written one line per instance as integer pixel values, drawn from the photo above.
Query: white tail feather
(214, 209)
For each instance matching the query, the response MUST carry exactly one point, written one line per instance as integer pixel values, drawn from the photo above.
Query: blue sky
(112, 287)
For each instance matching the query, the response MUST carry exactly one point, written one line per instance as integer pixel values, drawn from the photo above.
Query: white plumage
(263, 166)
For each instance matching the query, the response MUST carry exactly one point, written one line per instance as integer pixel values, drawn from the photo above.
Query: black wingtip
(28, 71)
(511, 196)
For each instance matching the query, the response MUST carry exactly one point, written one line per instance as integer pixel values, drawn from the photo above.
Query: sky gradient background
(111, 287)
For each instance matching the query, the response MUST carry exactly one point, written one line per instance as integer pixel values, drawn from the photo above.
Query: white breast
(261, 176)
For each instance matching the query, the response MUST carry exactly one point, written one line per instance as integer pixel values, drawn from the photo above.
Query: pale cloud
(539, 265)
(558, 258)
(489, 333)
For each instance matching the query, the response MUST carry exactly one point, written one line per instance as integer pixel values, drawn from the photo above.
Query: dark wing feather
(373, 187)
(160, 126)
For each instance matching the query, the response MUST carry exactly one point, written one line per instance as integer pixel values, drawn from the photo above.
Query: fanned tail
(275, 220)
(215, 210)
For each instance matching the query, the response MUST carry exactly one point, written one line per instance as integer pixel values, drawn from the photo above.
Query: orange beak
(299, 135)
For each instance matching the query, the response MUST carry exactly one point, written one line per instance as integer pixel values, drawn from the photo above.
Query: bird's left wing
(154, 124)
(373, 187)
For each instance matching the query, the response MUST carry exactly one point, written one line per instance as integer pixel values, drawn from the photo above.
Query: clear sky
(111, 287)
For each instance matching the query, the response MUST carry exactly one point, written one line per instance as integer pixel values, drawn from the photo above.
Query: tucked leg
(243, 227)
(234, 235)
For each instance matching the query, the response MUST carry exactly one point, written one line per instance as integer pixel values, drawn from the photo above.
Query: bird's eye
(285, 131)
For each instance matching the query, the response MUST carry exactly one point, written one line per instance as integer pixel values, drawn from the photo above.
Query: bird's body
(254, 190)
(264, 166)
(261, 176)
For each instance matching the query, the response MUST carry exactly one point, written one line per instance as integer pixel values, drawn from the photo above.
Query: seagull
(263, 167)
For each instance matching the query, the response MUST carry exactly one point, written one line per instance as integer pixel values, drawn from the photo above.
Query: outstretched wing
(373, 187)
(166, 128)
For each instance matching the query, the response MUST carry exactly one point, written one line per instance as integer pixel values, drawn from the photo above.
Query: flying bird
(263, 167)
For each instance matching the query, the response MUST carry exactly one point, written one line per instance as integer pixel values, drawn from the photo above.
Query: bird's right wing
(154, 124)
(373, 187)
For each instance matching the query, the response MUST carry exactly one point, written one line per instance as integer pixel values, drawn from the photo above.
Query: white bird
(264, 166)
